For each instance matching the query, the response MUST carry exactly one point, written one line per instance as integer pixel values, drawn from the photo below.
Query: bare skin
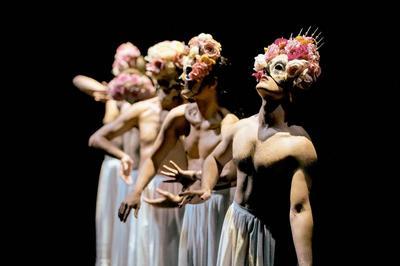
(129, 142)
(274, 164)
(200, 125)
(92, 87)
(147, 116)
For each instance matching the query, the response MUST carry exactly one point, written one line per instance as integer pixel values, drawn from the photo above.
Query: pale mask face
(190, 87)
(274, 75)
(280, 71)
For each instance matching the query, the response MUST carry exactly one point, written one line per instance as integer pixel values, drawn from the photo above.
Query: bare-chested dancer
(158, 229)
(200, 124)
(274, 166)
(111, 188)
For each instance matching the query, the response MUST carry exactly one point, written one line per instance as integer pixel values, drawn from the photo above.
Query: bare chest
(253, 156)
(201, 142)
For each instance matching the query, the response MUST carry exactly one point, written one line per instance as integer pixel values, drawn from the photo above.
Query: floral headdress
(204, 52)
(125, 57)
(131, 87)
(164, 59)
(302, 58)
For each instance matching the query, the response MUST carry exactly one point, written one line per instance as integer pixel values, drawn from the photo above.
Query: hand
(204, 194)
(168, 200)
(126, 169)
(132, 201)
(101, 96)
(185, 177)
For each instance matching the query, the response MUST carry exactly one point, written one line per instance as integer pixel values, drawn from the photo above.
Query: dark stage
(68, 172)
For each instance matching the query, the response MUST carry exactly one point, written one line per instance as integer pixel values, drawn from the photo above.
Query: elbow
(77, 80)
(94, 141)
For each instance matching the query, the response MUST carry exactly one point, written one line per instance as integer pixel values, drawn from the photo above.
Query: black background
(61, 195)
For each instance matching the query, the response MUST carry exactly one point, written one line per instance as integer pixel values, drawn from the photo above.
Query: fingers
(124, 165)
(126, 214)
(170, 169)
(205, 196)
(170, 181)
(154, 201)
(169, 195)
(121, 210)
(176, 166)
(185, 200)
(128, 179)
(164, 193)
(168, 174)
(136, 212)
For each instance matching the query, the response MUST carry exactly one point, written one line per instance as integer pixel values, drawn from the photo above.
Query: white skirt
(106, 209)
(245, 240)
(201, 230)
(158, 228)
(121, 251)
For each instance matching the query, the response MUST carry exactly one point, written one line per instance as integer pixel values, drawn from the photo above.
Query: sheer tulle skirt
(201, 230)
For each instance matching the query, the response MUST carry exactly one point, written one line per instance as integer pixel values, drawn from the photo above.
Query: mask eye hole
(279, 67)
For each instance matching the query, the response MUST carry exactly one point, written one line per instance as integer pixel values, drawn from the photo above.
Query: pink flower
(125, 57)
(300, 52)
(212, 50)
(313, 54)
(272, 51)
(281, 42)
(258, 75)
(207, 45)
(164, 58)
(155, 66)
(314, 70)
(199, 71)
(131, 87)
(294, 68)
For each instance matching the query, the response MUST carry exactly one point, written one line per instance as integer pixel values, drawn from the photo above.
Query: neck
(161, 96)
(271, 114)
(208, 106)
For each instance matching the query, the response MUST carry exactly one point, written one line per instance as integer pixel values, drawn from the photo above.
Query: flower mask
(131, 87)
(164, 60)
(126, 57)
(293, 60)
(204, 53)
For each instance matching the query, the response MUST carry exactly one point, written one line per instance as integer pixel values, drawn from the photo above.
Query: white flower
(166, 50)
(259, 62)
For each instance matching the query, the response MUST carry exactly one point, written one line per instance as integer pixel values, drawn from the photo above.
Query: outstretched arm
(173, 126)
(301, 220)
(213, 165)
(91, 87)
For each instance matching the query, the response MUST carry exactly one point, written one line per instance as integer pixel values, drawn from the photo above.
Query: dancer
(199, 124)
(158, 230)
(274, 163)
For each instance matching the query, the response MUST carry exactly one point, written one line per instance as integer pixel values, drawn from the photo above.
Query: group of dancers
(205, 187)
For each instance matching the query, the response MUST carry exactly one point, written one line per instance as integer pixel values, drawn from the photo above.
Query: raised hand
(126, 169)
(132, 201)
(185, 177)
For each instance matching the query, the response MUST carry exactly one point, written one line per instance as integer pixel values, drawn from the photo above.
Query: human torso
(264, 174)
(131, 141)
(202, 137)
(264, 169)
(149, 125)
